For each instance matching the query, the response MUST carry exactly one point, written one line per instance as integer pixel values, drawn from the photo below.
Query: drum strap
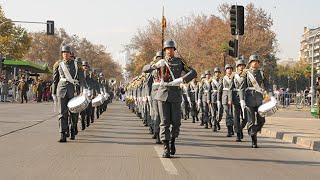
(237, 79)
(215, 83)
(254, 82)
(68, 75)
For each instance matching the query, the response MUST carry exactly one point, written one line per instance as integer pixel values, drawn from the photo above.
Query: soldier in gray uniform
(199, 96)
(215, 108)
(193, 93)
(155, 86)
(169, 95)
(254, 86)
(205, 99)
(66, 74)
(225, 96)
(186, 101)
(95, 92)
(86, 114)
(239, 111)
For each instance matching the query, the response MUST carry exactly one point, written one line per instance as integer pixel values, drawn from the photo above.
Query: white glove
(90, 93)
(219, 104)
(54, 97)
(177, 81)
(199, 102)
(243, 104)
(273, 99)
(85, 92)
(189, 100)
(159, 64)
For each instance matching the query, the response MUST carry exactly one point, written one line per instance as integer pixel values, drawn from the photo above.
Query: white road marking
(166, 162)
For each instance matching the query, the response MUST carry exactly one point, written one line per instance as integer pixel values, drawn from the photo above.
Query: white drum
(268, 108)
(78, 104)
(97, 101)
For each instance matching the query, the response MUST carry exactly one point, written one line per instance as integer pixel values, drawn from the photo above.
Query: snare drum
(78, 104)
(97, 101)
(268, 108)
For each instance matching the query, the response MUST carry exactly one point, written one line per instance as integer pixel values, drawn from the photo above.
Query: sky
(114, 22)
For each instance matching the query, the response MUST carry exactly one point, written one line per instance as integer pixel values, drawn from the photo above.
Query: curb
(312, 143)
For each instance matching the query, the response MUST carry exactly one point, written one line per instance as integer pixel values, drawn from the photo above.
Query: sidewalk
(294, 126)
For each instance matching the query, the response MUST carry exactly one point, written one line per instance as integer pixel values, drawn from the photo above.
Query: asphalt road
(118, 146)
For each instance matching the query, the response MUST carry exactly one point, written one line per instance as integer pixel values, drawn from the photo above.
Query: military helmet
(203, 76)
(78, 60)
(217, 69)
(85, 63)
(169, 44)
(101, 74)
(65, 49)
(207, 72)
(240, 62)
(159, 54)
(228, 66)
(253, 58)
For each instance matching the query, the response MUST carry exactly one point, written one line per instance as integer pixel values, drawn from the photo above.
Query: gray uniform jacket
(173, 94)
(238, 93)
(192, 91)
(65, 88)
(204, 91)
(254, 98)
(214, 88)
(225, 89)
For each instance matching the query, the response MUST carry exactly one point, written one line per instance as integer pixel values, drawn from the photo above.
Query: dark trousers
(229, 118)
(23, 96)
(255, 121)
(239, 121)
(63, 114)
(86, 114)
(214, 114)
(156, 116)
(205, 111)
(170, 114)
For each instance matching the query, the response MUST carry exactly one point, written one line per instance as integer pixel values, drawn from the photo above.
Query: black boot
(197, 118)
(154, 136)
(83, 126)
(68, 133)
(173, 146)
(254, 141)
(88, 122)
(166, 153)
(214, 128)
(229, 131)
(238, 137)
(218, 125)
(63, 137)
(72, 135)
(193, 119)
(150, 130)
(76, 130)
(241, 134)
(206, 125)
(158, 141)
(232, 131)
(210, 124)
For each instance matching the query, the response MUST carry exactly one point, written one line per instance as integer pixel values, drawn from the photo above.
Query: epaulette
(56, 65)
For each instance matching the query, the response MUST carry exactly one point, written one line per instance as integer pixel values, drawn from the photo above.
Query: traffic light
(233, 19)
(50, 27)
(233, 48)
(237, 20)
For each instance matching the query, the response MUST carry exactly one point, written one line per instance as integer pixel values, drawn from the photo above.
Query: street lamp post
(312, 61)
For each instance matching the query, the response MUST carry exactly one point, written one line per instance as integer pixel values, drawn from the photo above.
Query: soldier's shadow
(197, 156)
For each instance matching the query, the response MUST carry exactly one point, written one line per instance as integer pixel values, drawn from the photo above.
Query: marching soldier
(66, 74)
(186, 101)
(225, 96)
(193, 92)
(215, 108)
(238, 105)
(154, 90)
(169, 95)
(86, 114)
(253, 87)
(199, 96)
(205, 99)
(95, 92)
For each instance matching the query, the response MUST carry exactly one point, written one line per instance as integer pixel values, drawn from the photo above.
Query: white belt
(214, 90)
(236, 90)
(206, 91)
(156, 84)
(226, 89)
(66, 80)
